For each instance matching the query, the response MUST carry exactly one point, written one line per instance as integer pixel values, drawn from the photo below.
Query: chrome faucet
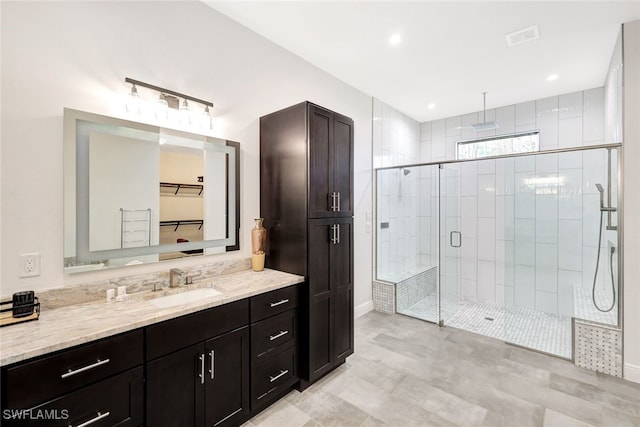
(176, 277)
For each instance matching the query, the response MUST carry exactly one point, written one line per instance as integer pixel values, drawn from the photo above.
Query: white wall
(77, 54)
(631, 34)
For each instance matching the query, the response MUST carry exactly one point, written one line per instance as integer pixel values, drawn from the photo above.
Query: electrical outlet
(29, 265)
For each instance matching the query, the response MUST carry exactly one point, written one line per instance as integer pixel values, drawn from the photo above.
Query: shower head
(406, 171)
(601, 190)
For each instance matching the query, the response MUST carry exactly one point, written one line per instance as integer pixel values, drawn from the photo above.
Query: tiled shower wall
(402, 199)
(529, 224)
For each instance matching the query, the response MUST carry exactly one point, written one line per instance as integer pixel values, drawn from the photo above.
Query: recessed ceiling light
(552, 77)
(431, 106)
(395, 39)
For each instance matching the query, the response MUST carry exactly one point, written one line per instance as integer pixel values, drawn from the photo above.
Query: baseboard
(632, 372)
(363, 309)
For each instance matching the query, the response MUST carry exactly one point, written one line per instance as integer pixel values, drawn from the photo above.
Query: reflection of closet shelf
(179, 222)
(176, 189)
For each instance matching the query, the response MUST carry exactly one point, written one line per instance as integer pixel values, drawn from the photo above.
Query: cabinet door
(342, 276)
(342, 164)
(320, 357)
(117, 400)
(227, 383)
(175, 389)
(320, 154)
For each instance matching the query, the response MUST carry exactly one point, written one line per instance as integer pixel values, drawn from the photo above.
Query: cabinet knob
(212, 371)
(278, 335)
(84, 368)
(201, 368)
(282, 372)
(282, 301)
(95, 419)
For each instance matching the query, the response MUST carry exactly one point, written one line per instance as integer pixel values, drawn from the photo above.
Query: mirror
(137, 193)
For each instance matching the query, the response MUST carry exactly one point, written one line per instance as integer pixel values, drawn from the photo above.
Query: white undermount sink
(187, 297)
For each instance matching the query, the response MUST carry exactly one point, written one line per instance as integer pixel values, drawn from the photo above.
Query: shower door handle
(459, 239)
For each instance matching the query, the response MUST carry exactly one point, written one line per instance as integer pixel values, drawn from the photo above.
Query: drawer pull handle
(212, 371)
(282, 301)
(201, 368)
(93, 420)
(282, 372)
(278, 335)
(85, 368)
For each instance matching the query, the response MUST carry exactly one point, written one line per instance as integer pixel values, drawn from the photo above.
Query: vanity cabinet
(274, 345)
(101, 382)
(195, 381)
(306, 182)
(215, 367)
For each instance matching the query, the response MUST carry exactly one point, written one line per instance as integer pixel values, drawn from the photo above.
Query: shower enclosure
(512, 247)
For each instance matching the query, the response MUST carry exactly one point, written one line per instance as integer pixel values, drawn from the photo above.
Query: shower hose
(595, 275)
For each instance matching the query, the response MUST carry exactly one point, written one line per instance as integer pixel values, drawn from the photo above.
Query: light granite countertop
(69, 326)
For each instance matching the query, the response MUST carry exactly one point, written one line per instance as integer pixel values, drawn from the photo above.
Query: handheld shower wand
(603, 209)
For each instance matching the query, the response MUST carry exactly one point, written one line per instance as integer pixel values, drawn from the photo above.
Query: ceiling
(450, 52)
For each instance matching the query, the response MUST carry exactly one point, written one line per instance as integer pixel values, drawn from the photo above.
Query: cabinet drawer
(166, 337)
(273, 334)
(115, 401)
(274, 302)
(34, 382)
(272, 376)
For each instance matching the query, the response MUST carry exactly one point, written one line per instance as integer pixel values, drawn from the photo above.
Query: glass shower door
(451, 241)
(407, 235)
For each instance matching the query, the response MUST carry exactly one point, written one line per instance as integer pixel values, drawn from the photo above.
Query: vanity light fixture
(167, 100)
(133, 100)
(162, 108)
(185, 113)
(206, 118)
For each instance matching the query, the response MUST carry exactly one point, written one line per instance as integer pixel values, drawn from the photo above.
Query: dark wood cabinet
(215, 367)
(100, 383)
(330, 161)
(227, 379)
(203, 384)
(306, 168)
(274, 345)
(174, 390)
(330, 294)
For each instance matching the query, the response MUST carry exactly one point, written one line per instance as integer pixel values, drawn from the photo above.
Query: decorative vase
(258, 245)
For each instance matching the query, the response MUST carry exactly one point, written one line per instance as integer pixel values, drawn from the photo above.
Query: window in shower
(526, 142)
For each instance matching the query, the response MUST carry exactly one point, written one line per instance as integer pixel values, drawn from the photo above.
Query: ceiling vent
(522, 36)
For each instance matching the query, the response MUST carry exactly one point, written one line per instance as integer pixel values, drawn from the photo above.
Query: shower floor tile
(548, 333)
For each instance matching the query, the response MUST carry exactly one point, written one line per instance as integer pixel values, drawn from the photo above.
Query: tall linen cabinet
(306, 200)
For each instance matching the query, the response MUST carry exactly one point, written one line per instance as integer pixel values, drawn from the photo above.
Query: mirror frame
(76, 181)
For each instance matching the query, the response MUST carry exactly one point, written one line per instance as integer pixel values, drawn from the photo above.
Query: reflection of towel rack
(135, 228)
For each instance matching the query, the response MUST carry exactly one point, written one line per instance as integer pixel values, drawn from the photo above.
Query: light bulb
(185, 113)
(162, 108)
(133, 101)
(205, 120)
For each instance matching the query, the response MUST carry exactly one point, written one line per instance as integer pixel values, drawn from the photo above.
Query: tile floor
(406, 372)
(549, 333)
